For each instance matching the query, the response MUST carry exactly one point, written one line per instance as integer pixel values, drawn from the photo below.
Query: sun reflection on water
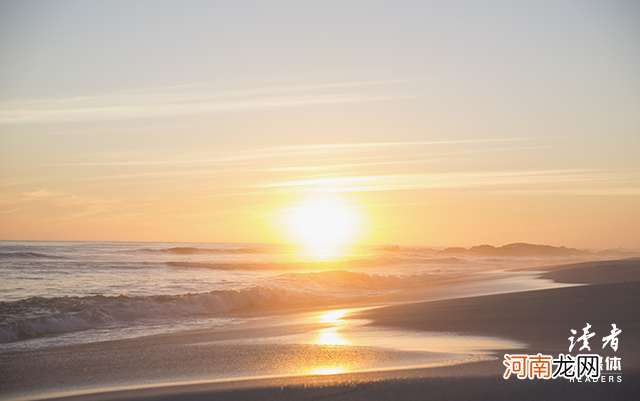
(330, 336)
(334, 316)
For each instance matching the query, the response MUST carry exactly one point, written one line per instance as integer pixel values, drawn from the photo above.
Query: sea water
(66, 293)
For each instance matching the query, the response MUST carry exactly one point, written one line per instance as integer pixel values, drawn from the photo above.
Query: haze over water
(61, 293)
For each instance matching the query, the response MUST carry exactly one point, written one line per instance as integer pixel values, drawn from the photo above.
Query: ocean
(66, 293)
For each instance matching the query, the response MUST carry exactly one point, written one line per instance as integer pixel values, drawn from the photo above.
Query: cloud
(62, 199)
(278, 152)
(43, 193)
(537, 179)
(176, 102)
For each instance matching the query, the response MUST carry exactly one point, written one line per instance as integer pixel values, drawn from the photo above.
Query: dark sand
(541, 319)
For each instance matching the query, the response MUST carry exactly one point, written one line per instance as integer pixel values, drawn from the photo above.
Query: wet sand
(539, 319)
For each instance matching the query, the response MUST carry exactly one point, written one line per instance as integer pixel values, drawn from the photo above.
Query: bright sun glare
(322, 224)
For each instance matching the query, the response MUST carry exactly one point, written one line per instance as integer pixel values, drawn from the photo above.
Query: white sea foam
(36, 316)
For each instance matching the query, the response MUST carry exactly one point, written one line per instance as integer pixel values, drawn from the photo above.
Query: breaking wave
(27, 255)
(36, 316)
(189, 250)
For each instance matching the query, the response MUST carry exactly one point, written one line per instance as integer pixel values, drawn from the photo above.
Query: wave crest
(38, 316)
(27, 255)
(190, 250)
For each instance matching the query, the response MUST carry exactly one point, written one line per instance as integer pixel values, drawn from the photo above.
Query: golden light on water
(333, 316)
(331, 335)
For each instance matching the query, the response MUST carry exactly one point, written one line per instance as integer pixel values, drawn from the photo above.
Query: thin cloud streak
(168, 103)
(540, 179)
(332, 146)
(145, 111)
(281, 151)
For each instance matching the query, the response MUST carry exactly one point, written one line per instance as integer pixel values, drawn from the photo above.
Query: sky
(422, 123)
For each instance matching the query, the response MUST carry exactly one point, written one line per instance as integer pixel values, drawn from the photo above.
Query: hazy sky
(436, 123)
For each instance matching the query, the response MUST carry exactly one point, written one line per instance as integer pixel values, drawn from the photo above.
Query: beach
(319, 200)
(283, 357)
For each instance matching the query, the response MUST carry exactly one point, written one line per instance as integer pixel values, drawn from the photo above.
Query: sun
(322, 224)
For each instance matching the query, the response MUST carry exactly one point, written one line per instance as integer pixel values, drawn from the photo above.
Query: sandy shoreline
(541, 319)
